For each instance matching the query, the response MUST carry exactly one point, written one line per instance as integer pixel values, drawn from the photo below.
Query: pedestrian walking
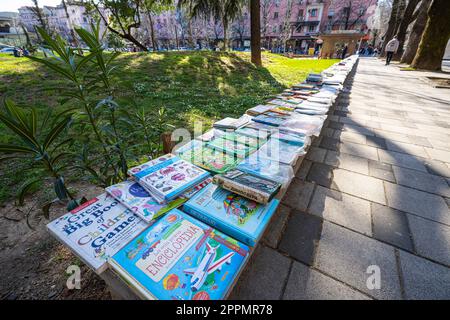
(344, 52)
(391, 48)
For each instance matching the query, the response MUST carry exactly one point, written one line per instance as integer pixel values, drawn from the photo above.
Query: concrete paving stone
(376, 142)
(304, 169)
(346, 255)
(440, 155)
(340, 113)
(264, 277)
(301, 237)
(391, 226)
(442, 124)
(330, 143)
(392, 136)
(347, 161)
(359, 129)
(359, 185)
(316, 141)
(421, 203)
(401, 160)
(437, 168)
(408, 148)
(298, 194)
(422, 181)
(321, 174)
(343, 209)
(305, 283)
(381, 171)
(440, 144)
(423, 279)
(420, 141)
(348, 136)
(316, 154)
(359, 150)
(275, 229)
(328, 132)
(431, 239)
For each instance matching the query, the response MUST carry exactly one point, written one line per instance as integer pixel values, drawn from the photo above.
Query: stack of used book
(184, 224)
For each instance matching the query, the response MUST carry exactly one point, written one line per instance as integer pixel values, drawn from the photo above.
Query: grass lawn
(190, 85)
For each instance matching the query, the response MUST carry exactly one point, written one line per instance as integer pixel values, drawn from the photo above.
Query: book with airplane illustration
(235, 215)
(180, 258)
(97, 229)
(168, 177)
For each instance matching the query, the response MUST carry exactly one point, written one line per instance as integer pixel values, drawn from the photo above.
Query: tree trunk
(225, 34)
(132, 39)
(434, 38)
(152, 32)
(416, 33)
(72, 32)
(255, 25)
(403, 27)
(392, 25)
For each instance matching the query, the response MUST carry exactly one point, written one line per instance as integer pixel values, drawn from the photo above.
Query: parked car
(7, 50)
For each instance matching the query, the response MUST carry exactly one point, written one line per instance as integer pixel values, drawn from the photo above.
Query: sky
(13, 5)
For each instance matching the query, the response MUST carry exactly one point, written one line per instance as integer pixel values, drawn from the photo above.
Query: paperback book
(212, 160)
(97, 230)
(274, 170)
(235, 215)
(133, 196)
(231, 123)
(233, 148)
(255, 133)
(281, 151)
(258, 109)
(244, 139)
(168, 176)
(269, 120)
(180, 258)
(250, 186)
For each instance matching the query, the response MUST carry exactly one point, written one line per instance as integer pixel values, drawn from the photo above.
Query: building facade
(286, 25)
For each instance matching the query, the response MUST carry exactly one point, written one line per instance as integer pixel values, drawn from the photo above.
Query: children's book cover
(255, 133)
(169, 178)
(260, 126)
(251, 186)
(133, 196)
(181, 258)
(281, 151)
(232, 147)
(274, 170)
(293, 138)
(271, 121)
(232, 214)
(97, 230)
(244, 139)
(212, 160)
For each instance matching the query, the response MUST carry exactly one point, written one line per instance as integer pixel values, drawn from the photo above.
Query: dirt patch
(33, 264)
(439, 82)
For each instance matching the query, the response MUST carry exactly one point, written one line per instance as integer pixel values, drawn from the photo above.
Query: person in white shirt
(391, 48)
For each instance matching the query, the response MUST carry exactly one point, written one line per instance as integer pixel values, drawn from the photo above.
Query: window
(312, 28)
(313, 12)
(300, 14)
(274, 29)
(275, 15)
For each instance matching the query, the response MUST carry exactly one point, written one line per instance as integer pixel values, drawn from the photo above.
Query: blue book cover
(232, 214)
(168, 176)
(181, 258)
(271, 121)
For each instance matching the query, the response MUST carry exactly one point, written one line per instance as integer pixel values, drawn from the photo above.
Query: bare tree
(351, 12)
(266, 9)
(286, 29)
(408, 16)
(393, 23)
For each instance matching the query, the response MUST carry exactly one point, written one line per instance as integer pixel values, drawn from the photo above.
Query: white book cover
(97, 230)
(133, 196)
(168, 176)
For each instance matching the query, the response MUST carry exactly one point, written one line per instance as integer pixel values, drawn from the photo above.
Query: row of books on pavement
(183, 225)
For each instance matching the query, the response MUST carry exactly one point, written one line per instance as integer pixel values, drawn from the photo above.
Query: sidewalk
(374, 191)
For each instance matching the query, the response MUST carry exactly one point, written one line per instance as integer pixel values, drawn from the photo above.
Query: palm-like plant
(221, 10)
(43, 144)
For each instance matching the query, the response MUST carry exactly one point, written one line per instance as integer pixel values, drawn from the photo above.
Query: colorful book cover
(231, 123)
(258, 109)
(133, 196)
(281, 151)
(181, 258)
(255, 133)
(260, 126)
(272, 121)
(293, 138)
(212, 160)
(244, 139)
(274, 170)
(235, 215)
(253, 187)
(169, 178)
(97, 230)
(232, 147)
